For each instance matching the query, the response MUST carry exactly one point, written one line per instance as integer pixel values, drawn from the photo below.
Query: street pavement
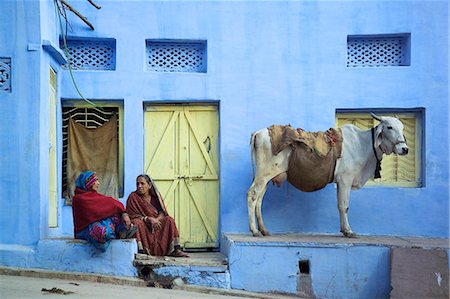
(21, 287)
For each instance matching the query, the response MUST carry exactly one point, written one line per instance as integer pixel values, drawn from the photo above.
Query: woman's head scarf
(86, 180)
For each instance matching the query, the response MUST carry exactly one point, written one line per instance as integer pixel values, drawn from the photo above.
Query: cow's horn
(375, 116)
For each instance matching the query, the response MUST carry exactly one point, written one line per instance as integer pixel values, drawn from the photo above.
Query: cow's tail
(252, 152)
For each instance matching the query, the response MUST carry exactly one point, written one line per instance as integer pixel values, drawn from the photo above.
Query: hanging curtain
(96, 150)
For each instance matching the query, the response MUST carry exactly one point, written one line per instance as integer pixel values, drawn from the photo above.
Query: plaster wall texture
(19, 130)
(269, 62)
(285, 62)
(334, 272)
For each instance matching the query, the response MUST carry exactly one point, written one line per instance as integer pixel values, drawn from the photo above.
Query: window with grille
(5, 74)
(176, 56)
(90, 117)
(401, 171)
(91, 54)
(378, 50)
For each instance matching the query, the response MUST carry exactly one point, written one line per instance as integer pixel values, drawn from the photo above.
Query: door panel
(181, 155)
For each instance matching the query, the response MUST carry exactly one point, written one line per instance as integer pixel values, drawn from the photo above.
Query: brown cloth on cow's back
(314, 154)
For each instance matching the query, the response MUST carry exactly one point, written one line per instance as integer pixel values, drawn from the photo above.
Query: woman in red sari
(98, 218)
(157, 232)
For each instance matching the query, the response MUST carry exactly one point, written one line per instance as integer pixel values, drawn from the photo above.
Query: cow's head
(389, 135)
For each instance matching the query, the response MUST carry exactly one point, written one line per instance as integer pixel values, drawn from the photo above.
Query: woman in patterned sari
(98, 218)
(157, 232)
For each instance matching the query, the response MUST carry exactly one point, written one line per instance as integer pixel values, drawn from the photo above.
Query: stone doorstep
(207, 260)
(206, 269)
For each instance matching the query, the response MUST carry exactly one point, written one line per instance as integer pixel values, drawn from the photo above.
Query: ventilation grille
(91, 54)
(176, 56)
(370, 51)
(90, 118)
(5, 74)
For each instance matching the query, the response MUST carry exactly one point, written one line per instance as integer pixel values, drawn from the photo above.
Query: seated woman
(157, 232)
(98, 218)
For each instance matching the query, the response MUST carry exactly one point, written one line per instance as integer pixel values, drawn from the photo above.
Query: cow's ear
(378, 135)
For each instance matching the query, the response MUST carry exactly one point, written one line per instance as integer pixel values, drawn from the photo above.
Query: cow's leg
(251, 203)
(343, 192)
(255, 195)
(259, 218)
(254, 192)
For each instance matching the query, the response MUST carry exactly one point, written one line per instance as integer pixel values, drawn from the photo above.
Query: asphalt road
(21, 287)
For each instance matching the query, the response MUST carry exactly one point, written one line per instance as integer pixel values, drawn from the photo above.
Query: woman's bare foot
(179, 253)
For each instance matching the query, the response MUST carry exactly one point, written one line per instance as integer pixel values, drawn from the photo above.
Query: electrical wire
(66, 52)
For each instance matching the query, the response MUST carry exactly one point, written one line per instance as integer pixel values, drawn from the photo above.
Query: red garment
(90, 206)
(160, 242)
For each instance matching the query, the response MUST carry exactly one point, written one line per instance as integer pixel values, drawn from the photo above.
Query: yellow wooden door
(52, 177)
(181, 155)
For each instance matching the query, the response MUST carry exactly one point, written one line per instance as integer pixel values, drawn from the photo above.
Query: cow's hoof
(350, 235)
(265, 232)
(257, 234)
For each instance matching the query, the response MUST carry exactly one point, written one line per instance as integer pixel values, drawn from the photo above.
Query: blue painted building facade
(268, 62)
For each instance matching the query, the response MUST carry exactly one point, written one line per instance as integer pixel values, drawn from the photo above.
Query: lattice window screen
(5, 74)
(90, 118)
(91, 54)
(377, 51)
(176, 56)
(396, 170)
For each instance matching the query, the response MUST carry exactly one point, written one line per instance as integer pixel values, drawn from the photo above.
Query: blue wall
(334, 272)
(268, 62)
(20, 124)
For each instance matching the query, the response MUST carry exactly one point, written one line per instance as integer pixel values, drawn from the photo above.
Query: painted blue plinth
(335, 271)
(69, 255)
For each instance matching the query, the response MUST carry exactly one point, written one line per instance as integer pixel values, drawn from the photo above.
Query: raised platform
(323, 266)
(70, 255)
(306, 240)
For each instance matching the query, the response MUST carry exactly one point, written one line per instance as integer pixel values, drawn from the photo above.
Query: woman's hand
(155, 222)
(126, 220)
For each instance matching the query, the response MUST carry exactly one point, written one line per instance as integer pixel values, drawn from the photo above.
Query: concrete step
(209, 269)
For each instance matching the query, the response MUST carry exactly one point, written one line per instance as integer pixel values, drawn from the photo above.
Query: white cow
(355, 167)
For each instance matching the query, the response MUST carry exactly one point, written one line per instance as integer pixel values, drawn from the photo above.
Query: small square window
(378, 50)
(94, 54)
(5, 74)
(176, 56)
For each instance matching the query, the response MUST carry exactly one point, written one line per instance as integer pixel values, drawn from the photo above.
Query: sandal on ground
(179, 253)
